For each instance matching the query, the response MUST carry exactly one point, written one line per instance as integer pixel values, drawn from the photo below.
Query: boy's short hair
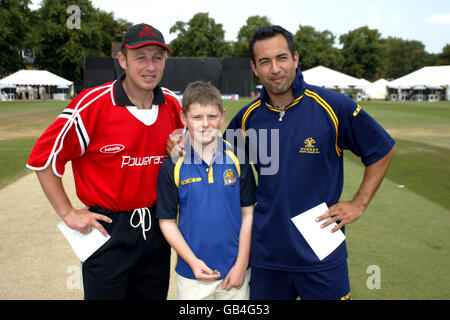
(202, 93)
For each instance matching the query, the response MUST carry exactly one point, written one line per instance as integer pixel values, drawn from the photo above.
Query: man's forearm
(54, 190)
(373, 176)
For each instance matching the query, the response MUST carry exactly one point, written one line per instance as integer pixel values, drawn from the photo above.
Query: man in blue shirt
(312, 127)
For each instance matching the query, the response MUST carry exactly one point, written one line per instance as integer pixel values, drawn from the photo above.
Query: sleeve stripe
(331, 113)
(176, 173)
(246, 114)
(235, 160)
(70, 115)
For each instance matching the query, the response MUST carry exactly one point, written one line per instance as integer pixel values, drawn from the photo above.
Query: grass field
(404, 232)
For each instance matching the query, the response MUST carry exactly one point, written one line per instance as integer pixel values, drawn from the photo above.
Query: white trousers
(192, 289)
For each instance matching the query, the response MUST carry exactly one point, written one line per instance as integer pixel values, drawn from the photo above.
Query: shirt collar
(191, 154)
(121, 98)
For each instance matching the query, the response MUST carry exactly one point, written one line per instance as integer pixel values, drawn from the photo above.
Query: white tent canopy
(429, 77)
(328, 78)
(35, 78)
(378, 89)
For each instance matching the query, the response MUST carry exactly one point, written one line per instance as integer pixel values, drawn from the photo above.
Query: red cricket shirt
(115, 156)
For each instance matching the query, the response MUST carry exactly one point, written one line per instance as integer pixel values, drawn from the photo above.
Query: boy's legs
(243, 293)
(193, 289)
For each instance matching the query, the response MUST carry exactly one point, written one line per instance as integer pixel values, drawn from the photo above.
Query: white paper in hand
(322, 241)
(84, 245)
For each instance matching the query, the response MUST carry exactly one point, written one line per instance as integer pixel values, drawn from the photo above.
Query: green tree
(444, 56)
(62, 40)
(364, 53)
(14, 34)
(200, 37)
(317, 48)
(246, 32)
(405, 56)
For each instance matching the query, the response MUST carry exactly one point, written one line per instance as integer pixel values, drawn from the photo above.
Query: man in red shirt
(115, 136)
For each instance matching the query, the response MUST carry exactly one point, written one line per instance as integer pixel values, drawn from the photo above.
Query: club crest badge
(310, 146)
(229, 177)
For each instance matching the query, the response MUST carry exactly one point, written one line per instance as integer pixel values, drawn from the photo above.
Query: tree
(14, 34)
(62, 44)
(405, 56)
(364, 53)
(444, 57)
(245, 34)
(200, 37)
(317, 48)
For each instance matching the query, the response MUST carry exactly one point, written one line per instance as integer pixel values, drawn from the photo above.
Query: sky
(425, 21)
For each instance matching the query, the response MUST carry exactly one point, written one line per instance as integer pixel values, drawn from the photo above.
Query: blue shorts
(329, 284)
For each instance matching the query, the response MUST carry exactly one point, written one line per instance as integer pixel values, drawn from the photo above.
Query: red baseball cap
(141, 35)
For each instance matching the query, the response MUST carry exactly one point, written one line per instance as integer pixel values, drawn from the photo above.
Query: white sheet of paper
(84, 245)
(322, 241)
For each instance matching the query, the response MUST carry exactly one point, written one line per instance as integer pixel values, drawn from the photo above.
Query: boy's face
(203, 122)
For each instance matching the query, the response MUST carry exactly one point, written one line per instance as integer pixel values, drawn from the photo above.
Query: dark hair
(202, 93)
(266, 32)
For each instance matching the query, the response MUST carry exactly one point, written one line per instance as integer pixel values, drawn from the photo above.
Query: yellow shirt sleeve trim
(247, 113)
(235, 160)
(176, 173)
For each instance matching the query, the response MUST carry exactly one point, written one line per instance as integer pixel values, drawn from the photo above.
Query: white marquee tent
(427, 76)
(432, 78)
(324, 77)
(378, 89)
(36, 78)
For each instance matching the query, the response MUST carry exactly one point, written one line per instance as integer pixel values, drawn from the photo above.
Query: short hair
(266, 32)
(124, 51)
(202, 93)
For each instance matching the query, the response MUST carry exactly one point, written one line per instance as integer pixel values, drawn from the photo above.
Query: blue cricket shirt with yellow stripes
(209, 199)
(305, 146)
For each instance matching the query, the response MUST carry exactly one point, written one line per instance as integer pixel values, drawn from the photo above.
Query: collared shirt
(115, 156)
(210, 197)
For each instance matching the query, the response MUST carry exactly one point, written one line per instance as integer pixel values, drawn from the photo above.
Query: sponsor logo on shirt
(191, 180)
(112, 148)
(309, 146)
(128, 161)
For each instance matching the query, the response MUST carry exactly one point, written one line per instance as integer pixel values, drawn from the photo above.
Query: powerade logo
(128, 161)
(112, 148)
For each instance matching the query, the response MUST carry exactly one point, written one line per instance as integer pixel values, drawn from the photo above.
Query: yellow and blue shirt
(307, 153)
(209, 199)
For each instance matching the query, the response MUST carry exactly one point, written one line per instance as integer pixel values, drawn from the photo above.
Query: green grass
(13, 154)
(21, 123)
(405, 235)
(405, 229)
